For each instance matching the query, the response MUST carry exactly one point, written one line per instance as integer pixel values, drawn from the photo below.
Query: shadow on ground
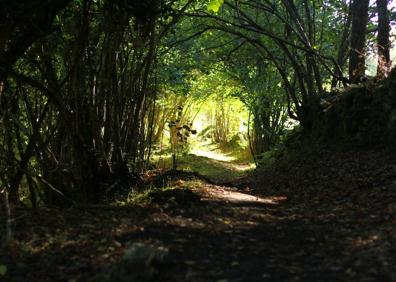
(228, 236)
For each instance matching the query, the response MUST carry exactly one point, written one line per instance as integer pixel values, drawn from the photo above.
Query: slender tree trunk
(358, 39)
(5, 218)
(383, 39)
(343, 47)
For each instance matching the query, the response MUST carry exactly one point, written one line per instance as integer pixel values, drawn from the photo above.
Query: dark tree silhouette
(383, 38)
(358, 39)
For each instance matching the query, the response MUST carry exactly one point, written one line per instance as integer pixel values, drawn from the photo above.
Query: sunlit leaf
(215, 5)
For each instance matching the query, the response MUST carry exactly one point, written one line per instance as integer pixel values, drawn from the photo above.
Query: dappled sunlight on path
(229, 195)
(219, 166)
(218, 156)
(226, 235)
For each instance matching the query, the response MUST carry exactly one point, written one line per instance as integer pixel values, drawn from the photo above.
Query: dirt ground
(291, 227)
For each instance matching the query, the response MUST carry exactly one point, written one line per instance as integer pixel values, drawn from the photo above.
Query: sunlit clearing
(208, 121)
(212, 155)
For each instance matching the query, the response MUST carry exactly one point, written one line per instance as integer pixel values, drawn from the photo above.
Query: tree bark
(5, 219)
(342, 52)
(357, 56)
(383, 39)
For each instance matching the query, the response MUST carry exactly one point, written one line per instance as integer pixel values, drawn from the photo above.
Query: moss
(359, 115)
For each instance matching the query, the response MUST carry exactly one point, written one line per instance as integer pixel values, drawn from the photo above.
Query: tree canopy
(82, 82)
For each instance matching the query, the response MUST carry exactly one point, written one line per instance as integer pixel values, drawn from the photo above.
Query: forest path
(235, 236)
(228, 235)
(218, 165)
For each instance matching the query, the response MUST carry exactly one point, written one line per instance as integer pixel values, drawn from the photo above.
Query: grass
(210, 160)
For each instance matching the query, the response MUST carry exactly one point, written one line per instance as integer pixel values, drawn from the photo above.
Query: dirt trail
(239, 237)
(228, 236)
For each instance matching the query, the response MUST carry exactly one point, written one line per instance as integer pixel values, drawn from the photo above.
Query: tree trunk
(358, 39)
(383, 38)
(342, 52)
(5, 219)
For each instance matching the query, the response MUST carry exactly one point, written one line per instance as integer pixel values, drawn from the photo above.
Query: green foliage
(3, 270)
(164, 196)
(236, 142)
(69, 139)
(180, 132)
(267, 158)
(238, 69)
(215, 5)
